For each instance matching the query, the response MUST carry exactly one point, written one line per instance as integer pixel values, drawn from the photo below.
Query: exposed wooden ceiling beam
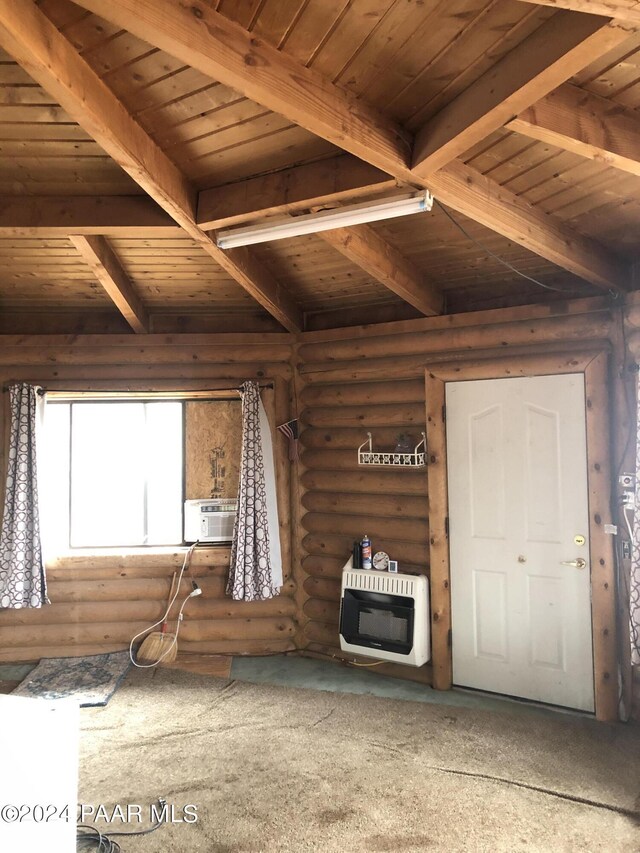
(218, 47)
(585, 124)
(562, 46)
(467, 191)
(107, 269)
(30, 37)
(362, 245)
(623, 10)
(112, 216)
(333, 181)
(207, 40)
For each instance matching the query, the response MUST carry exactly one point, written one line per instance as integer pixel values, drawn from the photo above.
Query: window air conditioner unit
(385, 616)
(209, 520)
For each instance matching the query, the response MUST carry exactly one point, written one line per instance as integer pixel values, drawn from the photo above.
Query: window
(115, 469)
(112, 474)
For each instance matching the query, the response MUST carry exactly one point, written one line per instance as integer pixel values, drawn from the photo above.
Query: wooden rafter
(108, 270)
(562, 46)
(333, 181)
(115, 216)
(481, 199)
(362, 245)
(208, 41)
(623, 10)
(465, 190)
(28, 35)
(585, 124)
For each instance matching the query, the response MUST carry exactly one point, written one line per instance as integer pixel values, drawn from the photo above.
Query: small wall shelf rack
(390, 458)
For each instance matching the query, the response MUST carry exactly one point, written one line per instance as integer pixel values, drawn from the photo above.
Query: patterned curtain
(22, 579)
(634, 602)
(255, 571)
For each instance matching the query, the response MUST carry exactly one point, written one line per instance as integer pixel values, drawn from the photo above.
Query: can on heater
(366, 552)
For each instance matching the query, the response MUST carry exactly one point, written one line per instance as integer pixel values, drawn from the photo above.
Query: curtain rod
(42, 391)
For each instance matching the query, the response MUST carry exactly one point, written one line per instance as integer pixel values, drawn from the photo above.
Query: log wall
(343, 383)
(361, 380)
(100, 600)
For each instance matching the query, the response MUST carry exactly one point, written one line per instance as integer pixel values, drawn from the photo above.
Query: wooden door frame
(594, 365)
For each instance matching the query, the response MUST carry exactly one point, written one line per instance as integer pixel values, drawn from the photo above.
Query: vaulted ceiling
(132, 130)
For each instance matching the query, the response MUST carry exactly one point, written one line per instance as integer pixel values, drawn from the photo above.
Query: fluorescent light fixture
(325, 220)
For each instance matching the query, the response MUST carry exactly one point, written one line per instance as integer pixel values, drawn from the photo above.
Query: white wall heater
(385, 616)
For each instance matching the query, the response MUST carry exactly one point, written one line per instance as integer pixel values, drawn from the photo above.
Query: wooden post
(603, 586)
(438, 533)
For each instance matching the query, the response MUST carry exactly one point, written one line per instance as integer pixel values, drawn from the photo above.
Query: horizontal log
(169, 340)
(322, 632)
(366, 394)
(386, 506)
(33, 654)
(323, 567)
(239, 647)
(330, 568)
(327, 590)
(347, 460)
(143, 354)
(365, 417)
(122, 632)
(204, 608)
(331, 460)
(89, 612)
(366, 481)
(406, 529)
(487, 317)
(221, 647)
(318, 610)
(350, 438)
(105, 571)
(337, 546)
(419, 674)
(143, 558)
(133, 611)
(98, 633)
(141, 377)
(405, 367)
(554, 329)
(237, 629)
(128, 589)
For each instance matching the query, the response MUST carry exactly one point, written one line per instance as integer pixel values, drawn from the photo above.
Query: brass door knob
(580, 563)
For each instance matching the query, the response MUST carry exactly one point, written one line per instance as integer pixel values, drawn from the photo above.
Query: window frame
(54, 397)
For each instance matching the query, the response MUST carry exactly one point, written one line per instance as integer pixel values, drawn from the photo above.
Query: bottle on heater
(365, 547)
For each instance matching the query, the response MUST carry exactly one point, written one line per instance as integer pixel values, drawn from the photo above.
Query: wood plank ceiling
(523, 121)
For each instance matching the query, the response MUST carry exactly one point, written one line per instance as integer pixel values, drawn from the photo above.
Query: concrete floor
(316, 674)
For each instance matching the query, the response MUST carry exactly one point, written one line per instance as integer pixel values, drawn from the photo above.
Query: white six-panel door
(518, 513)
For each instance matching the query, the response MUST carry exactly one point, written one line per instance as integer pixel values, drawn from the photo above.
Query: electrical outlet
(628, 500)
(626, 549)
(627, 481)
